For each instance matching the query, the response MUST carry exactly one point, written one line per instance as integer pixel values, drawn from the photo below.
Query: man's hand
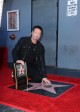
(46, 81)
(20, 61)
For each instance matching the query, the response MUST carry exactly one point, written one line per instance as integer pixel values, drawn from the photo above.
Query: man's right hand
(20, 61)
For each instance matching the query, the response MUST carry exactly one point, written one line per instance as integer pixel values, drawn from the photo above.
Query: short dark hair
(39, 27)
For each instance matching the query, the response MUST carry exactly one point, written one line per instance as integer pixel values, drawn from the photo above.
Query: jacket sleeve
(15, 51)
(42, 63)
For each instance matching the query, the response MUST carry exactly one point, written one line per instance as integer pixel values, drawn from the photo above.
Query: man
(31, 51)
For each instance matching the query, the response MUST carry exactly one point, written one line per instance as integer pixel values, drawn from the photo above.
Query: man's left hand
(46, 81)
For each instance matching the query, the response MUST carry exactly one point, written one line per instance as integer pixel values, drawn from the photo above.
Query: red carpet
(69, 101)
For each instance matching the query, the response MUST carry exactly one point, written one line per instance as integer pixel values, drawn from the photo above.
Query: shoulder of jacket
(40, 44)
(41, 47)
(25, 39)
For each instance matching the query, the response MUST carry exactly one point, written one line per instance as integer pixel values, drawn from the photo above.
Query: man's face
(36, 34)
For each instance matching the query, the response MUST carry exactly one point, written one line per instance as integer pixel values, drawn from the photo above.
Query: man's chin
(36, 39)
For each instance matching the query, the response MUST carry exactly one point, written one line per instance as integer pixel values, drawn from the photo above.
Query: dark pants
(34, 74)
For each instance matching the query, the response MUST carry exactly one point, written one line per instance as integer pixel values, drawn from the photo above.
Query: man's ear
(32, 32)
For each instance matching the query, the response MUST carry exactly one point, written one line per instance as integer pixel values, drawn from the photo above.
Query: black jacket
(31, 54)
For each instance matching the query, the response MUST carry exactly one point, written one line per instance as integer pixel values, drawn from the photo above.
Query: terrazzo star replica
(55, 89)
